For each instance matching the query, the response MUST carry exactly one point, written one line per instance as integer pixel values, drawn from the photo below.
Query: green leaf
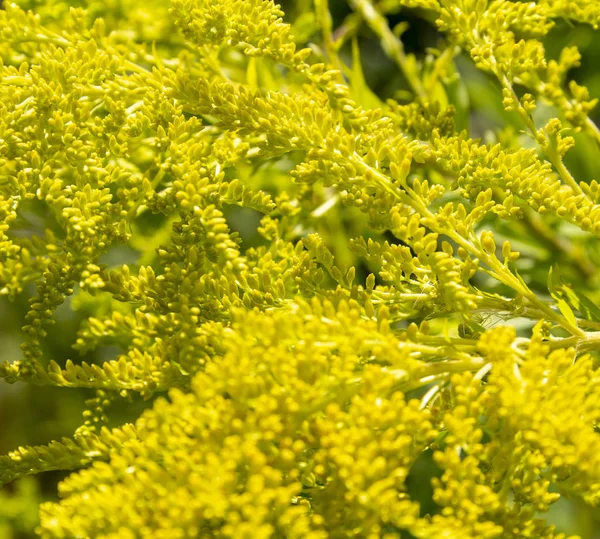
(563, 292)
(566, 311)
(587, 308)
(360, 90)
(458, 95)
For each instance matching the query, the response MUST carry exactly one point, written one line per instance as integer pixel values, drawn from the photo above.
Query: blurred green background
(36, 415)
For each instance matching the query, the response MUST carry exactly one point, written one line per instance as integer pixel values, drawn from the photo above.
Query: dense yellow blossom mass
(293, 384)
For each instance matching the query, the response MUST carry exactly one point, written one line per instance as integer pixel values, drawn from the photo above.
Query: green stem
(323, 16)
(588, 342)
(391, 44)
(591, 128)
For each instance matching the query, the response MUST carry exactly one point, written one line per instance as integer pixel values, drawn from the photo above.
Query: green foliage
(294, 376)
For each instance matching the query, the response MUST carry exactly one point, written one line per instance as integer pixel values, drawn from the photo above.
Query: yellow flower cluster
(296, 381)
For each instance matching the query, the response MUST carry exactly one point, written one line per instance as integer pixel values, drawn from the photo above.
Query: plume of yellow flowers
(293, 384)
